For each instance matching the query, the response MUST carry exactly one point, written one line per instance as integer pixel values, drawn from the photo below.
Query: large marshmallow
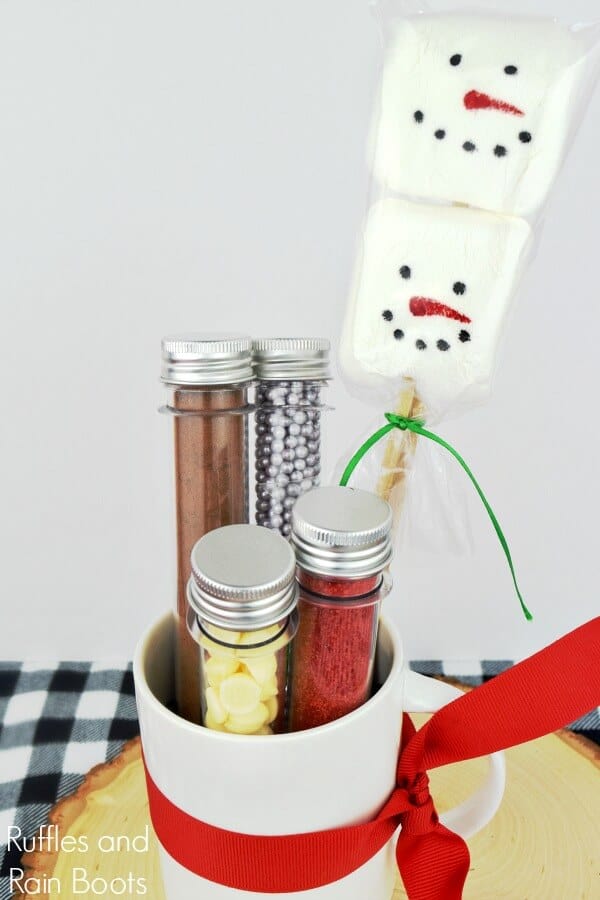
(477, 109)
(431, 293)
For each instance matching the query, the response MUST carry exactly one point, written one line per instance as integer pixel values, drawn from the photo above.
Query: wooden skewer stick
(399, 451)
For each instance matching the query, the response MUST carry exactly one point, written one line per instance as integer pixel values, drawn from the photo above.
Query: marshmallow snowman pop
(430, 298)
(475, 112)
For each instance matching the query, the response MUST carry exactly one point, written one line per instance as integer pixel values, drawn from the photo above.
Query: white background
(201, 165)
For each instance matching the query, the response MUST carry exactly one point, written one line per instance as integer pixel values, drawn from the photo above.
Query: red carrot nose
(477, 100)
(425, 306)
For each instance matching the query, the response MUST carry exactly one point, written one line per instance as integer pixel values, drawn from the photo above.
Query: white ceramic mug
(334, 775)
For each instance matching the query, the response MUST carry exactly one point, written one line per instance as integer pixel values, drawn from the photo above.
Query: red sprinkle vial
(334, 649)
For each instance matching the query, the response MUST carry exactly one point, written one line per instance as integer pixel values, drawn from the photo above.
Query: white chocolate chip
(262, 668)
(264, 730)
(239, 694)
(260, 636)
(268, 689)
(248, 723)
(209, 722)
(219, 667)
(214, 708)
(273, 708)
(222, 634)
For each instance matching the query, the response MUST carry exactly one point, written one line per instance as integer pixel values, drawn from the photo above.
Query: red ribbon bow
(534, 698)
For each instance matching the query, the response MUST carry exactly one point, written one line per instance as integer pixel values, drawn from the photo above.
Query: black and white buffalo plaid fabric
(58, 721)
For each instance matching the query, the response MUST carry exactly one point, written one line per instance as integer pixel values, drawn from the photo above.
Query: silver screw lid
(242, 578)
(205, 359)
(301, 359)
(342, 532)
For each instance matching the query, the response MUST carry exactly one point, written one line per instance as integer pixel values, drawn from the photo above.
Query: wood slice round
(542, 845)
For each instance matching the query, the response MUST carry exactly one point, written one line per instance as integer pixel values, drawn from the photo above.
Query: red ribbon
(534, 698)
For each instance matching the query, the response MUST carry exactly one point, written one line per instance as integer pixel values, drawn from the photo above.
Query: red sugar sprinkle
(334, 648)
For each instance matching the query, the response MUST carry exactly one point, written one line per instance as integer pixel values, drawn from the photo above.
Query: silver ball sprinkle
(287, 452)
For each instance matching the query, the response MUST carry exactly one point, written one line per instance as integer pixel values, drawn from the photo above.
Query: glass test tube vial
(242, 600)
(291, 374)
(208, 377)
(342, 540)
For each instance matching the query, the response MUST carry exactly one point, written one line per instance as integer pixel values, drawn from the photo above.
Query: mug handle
(422, 694)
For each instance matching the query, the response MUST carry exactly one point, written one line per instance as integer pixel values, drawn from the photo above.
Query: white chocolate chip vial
(242, 600)
(291, 374)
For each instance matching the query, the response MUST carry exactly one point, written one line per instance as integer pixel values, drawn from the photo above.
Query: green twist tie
(417, 426)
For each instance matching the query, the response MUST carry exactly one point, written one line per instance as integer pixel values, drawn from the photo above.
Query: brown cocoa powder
(211, 489)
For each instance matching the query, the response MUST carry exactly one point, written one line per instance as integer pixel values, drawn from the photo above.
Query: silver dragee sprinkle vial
(290, 373)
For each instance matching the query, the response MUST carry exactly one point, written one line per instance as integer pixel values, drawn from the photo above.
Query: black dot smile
(499, 150)
(388, 315)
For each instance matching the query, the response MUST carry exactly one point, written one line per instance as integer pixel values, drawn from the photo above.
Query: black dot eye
(420, 345)
(511, 70)
(405, 271)
(387, 315)
(499, 150)
(464, 336)
(418, 116)
(456, 59)
(459, 287)
(398, 334)
(469, 146)
(440, 134)
(525, 137)
(443, 345)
